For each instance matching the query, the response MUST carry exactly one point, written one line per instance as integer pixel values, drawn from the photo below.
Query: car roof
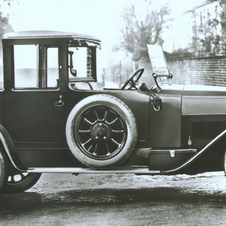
(46, 34)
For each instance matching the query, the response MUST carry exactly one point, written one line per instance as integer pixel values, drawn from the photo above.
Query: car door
(35, 116)
(34, 109)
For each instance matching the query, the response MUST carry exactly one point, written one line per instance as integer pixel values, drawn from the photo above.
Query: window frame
(42, 68)
(92, 58)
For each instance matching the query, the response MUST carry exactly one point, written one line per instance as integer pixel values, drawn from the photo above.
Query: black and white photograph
(112, 113)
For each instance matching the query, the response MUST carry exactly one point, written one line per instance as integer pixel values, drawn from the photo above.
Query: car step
(77, 170)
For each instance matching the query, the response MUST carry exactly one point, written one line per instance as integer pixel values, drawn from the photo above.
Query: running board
(77, 170)
(120, 170)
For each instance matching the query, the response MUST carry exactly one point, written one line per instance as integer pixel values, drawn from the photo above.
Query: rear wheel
(20, 181)
(12, 180)
(101, 131)
(2, 170)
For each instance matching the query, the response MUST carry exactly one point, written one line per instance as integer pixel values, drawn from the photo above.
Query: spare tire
(101, 131)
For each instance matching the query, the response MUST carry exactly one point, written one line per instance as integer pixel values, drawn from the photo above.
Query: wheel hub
(100, 132)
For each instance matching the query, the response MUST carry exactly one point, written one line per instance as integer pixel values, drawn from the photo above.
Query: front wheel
(101, 131)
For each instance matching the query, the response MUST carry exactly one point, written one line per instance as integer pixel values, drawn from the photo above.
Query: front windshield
(158, 61)
(164, 80)
(160, 70)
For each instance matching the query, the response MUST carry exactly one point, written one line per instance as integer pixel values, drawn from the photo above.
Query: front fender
(196, 156)
(10, 149)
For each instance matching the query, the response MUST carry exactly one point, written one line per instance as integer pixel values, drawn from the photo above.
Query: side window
(80, 63)
(25, 66)
(1, 76)
(1, 71)
(35, 66)
(52, 67)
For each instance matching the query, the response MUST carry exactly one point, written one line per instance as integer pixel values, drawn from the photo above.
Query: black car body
(56, 117)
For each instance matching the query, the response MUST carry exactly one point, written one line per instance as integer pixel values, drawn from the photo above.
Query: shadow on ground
(30, 201)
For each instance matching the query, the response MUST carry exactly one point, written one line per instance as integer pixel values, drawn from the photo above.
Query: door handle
(59, 103)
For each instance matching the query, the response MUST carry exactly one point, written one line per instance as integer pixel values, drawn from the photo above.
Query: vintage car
(56, 117)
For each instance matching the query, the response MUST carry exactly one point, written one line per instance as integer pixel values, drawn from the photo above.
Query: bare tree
(211, 39)
(140, 30)
(5, 27)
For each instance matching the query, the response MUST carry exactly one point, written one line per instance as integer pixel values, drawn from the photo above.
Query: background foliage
(141, 28)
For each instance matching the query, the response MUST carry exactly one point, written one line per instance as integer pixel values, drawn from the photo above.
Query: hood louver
(207, 130)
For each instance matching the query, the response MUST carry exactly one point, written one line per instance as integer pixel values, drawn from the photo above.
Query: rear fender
(10, 149)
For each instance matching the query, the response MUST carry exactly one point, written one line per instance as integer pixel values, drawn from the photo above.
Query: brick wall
(205, 71)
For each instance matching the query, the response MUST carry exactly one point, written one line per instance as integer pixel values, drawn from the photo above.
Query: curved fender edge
(10, 149)
(192, 159)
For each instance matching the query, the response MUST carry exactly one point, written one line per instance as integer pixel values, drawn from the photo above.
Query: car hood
(203, 100)
(194, 90)
(198, 99)
(201, 90)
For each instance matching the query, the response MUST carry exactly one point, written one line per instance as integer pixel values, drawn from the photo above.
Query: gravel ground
(210, 183)
(118, 199)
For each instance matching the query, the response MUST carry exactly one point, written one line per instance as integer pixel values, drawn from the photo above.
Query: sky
(97, 17)
(100, 18)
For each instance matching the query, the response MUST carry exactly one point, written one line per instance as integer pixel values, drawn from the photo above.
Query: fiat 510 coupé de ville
(56, 117)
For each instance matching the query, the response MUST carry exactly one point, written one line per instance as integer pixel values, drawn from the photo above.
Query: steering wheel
(132, 80)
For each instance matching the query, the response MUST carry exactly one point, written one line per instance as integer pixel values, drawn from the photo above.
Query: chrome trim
(78, 170)
(7, 151)
(59, 103)
(197, 155)
(172, 153)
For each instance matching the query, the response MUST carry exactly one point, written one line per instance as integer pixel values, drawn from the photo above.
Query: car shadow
(31, 201)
